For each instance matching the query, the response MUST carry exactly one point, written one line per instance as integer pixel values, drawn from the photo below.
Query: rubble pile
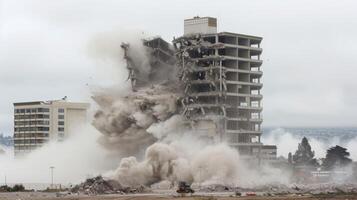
(216, 188)
(98, 185)
(328, 188)
(281, 189)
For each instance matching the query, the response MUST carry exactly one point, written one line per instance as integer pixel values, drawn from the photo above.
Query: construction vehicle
(184, 188)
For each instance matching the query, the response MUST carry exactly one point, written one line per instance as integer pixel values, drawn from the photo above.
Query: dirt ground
(53, 196)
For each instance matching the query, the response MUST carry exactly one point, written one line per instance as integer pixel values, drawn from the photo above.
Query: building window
(60, 110)
(60, 116)
(61, 123)
(43, 116)
(43, 110)
(43, 122)
(43, 128)
(61, 129)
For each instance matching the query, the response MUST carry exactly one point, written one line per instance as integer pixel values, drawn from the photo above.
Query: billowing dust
(145, 128)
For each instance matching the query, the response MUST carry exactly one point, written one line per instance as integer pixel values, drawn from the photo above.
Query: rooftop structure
(222, 77)
(202, 25)
(38, 122)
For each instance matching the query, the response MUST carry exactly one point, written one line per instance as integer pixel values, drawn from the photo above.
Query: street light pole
(200, 174)
(52, 168)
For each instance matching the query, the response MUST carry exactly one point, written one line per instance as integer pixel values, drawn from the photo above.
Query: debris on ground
(216, 188)
(281, 189)
(98, 185)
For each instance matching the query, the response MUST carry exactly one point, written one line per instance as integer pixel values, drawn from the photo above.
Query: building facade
(38, 122)
(222, 77)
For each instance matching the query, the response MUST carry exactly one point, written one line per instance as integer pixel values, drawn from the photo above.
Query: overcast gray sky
(309, 50)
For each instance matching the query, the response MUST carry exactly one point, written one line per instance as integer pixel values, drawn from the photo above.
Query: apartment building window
(61, 123)
(43, 128)
(61, 129)
(60, 110)
(43, 116)
(24, 129)
(43, 110)
(60, 116)
(43, 122)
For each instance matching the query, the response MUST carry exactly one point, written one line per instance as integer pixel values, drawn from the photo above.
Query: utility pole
(52, 168)
(5, 179)
(200, 174)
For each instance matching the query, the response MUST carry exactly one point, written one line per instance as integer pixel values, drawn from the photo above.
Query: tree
(336, 156)
(304, 156)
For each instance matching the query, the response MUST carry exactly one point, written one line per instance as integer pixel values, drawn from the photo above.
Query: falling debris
(124, 121)
(155, 65)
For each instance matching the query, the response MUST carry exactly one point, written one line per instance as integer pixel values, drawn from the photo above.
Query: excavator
(184, 188)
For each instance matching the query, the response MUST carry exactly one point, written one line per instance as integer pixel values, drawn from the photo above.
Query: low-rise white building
(38, 122)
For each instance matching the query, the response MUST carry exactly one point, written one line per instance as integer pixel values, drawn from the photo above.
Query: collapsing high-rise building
(220, 73)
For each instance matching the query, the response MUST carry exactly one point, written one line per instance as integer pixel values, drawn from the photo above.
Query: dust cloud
(139, 137)
(156, 143)
(74, 159)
